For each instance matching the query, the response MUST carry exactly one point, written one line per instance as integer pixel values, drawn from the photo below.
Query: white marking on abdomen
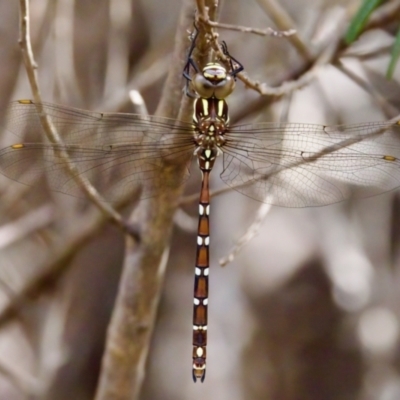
(199, 327)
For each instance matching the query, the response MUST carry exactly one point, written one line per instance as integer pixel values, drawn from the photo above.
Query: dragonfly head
(213, 81)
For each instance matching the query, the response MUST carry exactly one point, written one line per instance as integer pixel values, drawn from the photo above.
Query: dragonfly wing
(76, 126)
(114, 151)
(115, 173)
(304, 165)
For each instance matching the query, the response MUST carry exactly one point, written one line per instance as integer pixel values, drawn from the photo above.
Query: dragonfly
(284, 164)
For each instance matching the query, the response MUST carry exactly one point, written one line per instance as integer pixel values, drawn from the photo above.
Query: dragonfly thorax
(210, 115)
(211, 122)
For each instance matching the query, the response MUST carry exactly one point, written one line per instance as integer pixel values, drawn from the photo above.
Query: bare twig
(262, 32)
(305, 78)
(252, 231)
(48, 127)
(284, 22)
(285, 88)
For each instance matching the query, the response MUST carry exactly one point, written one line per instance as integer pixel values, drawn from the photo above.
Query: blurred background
(308, 309)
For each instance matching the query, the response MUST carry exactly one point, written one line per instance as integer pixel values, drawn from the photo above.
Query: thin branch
(284, 22)
(262, 32)
(286, 87)
(48, 127)
(252, 231)
(326, 57)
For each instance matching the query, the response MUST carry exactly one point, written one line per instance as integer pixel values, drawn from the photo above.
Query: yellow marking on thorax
(220, 108)
(25, 101)
(205, 107)
(194, 113)
(17, 146)
(389, 158)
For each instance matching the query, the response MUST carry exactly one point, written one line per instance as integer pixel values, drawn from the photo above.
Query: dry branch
(48, 127)
(131, 327)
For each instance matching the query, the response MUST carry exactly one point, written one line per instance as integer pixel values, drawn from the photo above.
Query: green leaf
(360, 19)
(395, 56)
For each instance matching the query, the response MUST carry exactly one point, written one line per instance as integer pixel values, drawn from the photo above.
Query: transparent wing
(113, 151)
(292, 165)
(301, 165)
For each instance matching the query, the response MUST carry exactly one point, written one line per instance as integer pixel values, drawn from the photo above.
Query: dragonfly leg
(191, 63)
(235, 65)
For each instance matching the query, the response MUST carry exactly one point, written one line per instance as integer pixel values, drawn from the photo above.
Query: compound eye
(224, 89)
(202, 86)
